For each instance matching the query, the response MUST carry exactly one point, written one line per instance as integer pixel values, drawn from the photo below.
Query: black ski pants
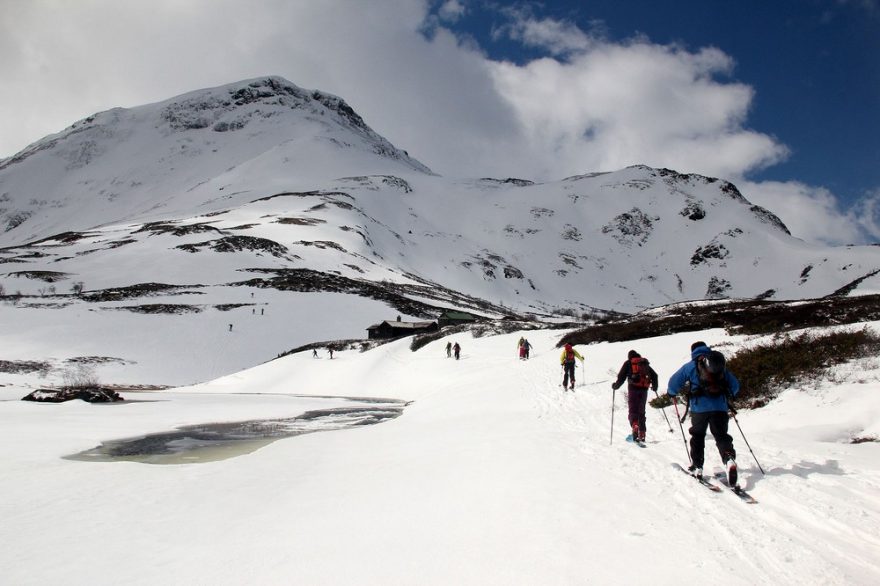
(568, 370)
(716, 422)
(637, 397)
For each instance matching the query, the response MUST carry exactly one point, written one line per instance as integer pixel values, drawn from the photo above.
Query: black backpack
(712, 370)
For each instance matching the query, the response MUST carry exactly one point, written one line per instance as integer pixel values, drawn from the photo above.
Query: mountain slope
(205, 207)
(193, 153)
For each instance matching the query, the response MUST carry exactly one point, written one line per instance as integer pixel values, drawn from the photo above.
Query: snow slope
(265, 159)
(492, 475)
(187, 154)
(214, 231)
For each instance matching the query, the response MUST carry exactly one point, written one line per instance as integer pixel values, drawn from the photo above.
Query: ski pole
(663, 410)
(583, 375)
(684, 439)
(733, 414)
(613, 391)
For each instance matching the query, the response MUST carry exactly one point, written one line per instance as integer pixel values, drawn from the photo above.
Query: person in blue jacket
(709, 392)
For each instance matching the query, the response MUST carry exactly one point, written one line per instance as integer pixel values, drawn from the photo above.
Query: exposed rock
(176, 230)
(238, 244)
(693, 210)
(508, 181)
(570, 232)
(89, 395)
(46, 276)
(155, 308)
(712, 250)
(121, 293)
(717, 288)
(769, 217)
(632, 227)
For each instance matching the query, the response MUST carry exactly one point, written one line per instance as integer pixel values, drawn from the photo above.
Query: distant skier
(521, 348)
(330, 350)
(230, 327)
(527, 347)
(448, 349)
(710, 384)
(456, 349)
(314, 353)
(640, 377)
(567, 360)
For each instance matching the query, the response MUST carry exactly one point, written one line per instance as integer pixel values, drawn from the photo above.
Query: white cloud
(451, 10)
(616, 105)
(866, 214)
(558, 37)
(816, 214)
(589, 105)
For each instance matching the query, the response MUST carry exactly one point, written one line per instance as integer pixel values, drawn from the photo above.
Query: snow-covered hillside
(492, 475)
(229, 204)
(190, 242)
(195, 153)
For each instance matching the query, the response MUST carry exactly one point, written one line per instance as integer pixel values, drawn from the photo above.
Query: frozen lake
(210, 442)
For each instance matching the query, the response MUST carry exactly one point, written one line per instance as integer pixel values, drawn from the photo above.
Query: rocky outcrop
(89, 395)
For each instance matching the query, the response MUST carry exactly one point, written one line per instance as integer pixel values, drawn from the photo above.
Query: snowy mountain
(187, 208)
(187, 155)
(196, 240)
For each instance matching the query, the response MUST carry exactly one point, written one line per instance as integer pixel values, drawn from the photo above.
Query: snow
(492, 475)
(629, 238)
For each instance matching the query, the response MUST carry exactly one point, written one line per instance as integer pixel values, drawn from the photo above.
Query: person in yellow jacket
(567, 360)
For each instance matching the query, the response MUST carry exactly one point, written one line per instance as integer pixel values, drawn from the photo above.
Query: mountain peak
(261, 96)
(178, 154)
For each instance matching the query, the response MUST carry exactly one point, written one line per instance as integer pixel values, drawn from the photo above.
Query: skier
(710, 385)
(639, 376)
(330, 350)
(527, 348)
(521, 348)
(314, 353)
(567, 361)
(457, 350)
(448, 349)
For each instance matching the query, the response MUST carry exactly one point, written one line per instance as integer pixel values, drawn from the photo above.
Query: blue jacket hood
(699, 350)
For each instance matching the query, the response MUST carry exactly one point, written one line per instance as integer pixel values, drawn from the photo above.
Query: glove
(615, 386)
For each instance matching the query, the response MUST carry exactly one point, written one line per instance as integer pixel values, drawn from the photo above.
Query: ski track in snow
(492, 475)
(803, 517)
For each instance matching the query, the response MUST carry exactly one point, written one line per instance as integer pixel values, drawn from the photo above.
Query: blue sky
(814, 66)
(778, 96)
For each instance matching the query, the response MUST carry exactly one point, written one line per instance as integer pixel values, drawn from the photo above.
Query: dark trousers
(568, 369)
(636, 399)
(716, 421)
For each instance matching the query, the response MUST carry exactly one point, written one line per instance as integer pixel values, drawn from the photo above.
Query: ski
(746, 497)
(630, 439)
(703, 481)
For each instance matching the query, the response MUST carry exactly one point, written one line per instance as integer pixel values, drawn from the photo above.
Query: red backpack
(639, 373)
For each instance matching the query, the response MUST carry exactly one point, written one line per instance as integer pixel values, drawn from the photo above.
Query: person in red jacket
(640, 377)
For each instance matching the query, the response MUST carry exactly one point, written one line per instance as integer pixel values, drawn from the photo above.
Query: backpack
(569, 354)
(712, 370)
(639, 372)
